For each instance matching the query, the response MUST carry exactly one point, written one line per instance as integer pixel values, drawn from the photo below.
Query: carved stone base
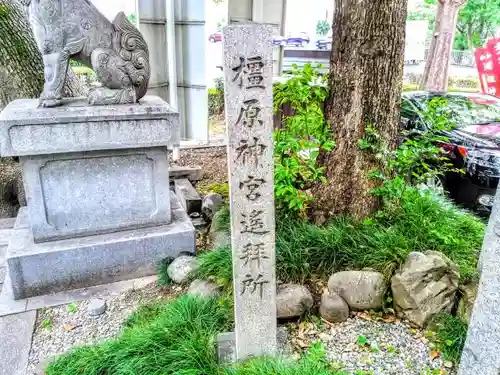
(50, 267)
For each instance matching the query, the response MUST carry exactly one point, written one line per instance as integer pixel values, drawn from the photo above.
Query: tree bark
(436, 71)
(21, 65)
(366, 70)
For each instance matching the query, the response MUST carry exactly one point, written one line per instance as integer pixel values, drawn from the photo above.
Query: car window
(470, 109)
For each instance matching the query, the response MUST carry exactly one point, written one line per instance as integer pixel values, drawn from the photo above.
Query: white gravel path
(375, 347)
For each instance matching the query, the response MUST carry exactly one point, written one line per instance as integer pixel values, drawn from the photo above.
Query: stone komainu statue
(117, 51)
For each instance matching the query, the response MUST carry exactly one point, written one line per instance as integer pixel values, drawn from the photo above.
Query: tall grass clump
(313, 362)
(420, 221)
(179, 340)
(451, 333)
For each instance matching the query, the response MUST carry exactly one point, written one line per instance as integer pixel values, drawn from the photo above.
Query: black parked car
(474, 143)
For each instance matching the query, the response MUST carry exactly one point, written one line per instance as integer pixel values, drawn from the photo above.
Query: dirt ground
(212, 160)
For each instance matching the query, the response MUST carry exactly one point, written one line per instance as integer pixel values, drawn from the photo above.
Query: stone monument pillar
(97, 186)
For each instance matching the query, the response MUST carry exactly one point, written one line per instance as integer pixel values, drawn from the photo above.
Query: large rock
(203, 288)
(182, 269)
(212, 203)
(361, 290)
(424, 286)
(293, 301)
(333, 308)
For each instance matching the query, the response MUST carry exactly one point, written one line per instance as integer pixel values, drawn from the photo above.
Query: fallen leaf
(389, 319)
(302, 344)
(327, 323)
(68, 327)
(434, 354)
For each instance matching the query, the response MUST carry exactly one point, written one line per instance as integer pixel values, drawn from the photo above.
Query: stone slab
(226, 345)
(188, 196)
(480, 354)
(88, 193)
(191, 173)
(8, 305)
(248, 61)
(17, 332)
(26, 129)
(37, 269)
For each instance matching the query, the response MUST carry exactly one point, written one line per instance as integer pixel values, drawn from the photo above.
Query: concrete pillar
(264, 11)
(192, 97)
(151, 15)
(191, 76)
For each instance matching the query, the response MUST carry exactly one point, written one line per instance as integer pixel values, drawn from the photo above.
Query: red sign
(488, 66)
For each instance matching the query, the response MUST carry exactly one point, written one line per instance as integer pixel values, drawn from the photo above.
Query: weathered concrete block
(42, 268)
(82, 194)
(187, 194)
(26, 129)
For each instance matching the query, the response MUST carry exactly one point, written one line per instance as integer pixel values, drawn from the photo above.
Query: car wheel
(211, 39)
(435, 183)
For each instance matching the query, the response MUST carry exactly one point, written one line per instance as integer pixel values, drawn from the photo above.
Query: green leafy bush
(419, 157)
(302, 136)
(216, 98)
(322, 27)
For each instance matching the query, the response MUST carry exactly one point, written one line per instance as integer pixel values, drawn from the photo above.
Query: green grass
(178, 339)
(451, 333)
(220, 221)
(421, 222)
(162, 272)
(312, 363)
(217, 266)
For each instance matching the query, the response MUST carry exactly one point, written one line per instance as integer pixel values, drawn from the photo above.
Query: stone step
(187, 194)
(191, 173)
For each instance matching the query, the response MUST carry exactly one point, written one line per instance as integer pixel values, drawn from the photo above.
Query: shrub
(86, 75)
(179, 340)
(216, 98)
(420, 222)
(302, 136)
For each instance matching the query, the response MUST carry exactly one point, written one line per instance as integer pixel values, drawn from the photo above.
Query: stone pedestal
(97, 187)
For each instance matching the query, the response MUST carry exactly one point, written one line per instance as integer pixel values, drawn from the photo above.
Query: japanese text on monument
(248, 92)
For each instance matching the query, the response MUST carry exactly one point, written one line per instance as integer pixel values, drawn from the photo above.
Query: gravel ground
(64, 327)
(390, 348)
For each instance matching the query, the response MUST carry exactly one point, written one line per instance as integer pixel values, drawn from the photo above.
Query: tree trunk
(435, 77)
(366, 70)
(470, 41)
(21, 66)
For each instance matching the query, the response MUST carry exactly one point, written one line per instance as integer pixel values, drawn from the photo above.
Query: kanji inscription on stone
(248, 62)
